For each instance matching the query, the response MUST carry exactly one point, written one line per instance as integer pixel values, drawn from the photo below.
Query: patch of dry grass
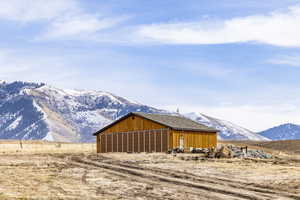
(34, 147)
(48, 170)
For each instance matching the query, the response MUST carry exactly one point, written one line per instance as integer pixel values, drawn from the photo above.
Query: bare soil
(86, 175)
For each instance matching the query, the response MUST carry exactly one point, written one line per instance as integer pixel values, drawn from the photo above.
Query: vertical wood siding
(137, 134)
(135, 141)
(194, 139)
(134, 124)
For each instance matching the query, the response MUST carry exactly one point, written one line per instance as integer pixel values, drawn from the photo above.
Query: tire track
(179, 181)
(129, 177)
(264, 191)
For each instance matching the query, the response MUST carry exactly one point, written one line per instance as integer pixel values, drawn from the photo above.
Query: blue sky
(235, 60)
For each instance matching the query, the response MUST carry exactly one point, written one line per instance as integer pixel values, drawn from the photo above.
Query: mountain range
(36, 111)
(283, 132)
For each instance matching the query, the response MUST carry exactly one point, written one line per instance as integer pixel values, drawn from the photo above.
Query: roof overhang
(196, 130)
(172, 128)
(113, 123)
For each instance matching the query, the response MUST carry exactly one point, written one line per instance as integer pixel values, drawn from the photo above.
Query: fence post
(21, 145)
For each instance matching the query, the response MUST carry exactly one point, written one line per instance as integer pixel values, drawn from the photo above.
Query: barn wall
(98, 144)
(194, 139)
(134, 141)
(136, 124)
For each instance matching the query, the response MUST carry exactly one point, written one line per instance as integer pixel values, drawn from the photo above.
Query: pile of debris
(226, 151)
(231, 151)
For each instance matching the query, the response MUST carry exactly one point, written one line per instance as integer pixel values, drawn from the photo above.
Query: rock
(224, 152)
(231, 151)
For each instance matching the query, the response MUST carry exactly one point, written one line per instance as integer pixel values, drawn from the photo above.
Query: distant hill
(283, 132)
(32, 111)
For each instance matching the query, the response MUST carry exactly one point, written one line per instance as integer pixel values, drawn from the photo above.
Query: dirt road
(144, 176)
(193, 186)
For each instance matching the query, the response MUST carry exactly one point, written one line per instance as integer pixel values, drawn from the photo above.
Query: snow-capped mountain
(18, 116)
(38, 111)
(283, 132)
(228, 130)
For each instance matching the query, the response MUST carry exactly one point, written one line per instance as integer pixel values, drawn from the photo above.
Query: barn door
(181, 142)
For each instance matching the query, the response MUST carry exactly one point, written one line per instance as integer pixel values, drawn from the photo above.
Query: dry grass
(35, 147)
(45, 170)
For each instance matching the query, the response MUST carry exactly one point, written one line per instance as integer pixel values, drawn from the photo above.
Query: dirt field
(73, 171)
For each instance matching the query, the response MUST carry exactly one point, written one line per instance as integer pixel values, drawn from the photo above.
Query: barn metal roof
(174, 122)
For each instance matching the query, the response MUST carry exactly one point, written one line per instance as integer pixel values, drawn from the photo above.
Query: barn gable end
(131, 122)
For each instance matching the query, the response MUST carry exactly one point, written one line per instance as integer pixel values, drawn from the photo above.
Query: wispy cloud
(27, 11)
(276, 28)
(79, 26)
(63, 19)
(69, 20)
(293, 61)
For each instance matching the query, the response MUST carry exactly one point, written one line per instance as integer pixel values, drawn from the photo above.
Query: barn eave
(144, 115)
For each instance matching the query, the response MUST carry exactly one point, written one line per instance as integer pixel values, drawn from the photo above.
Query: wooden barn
(141, 132)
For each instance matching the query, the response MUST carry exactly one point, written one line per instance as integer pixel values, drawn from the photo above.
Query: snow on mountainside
(283, 132)
(84, 112)
(18, 116)
(228, 130)
(38, 111)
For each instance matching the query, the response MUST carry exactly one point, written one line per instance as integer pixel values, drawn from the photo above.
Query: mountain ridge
(39, 111)
(286, 131)
(229, 131)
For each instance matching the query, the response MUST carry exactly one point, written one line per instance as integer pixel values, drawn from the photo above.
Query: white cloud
(277, 28)
(36, 10)
(82, 25)
(64, 19)
(286, 60)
